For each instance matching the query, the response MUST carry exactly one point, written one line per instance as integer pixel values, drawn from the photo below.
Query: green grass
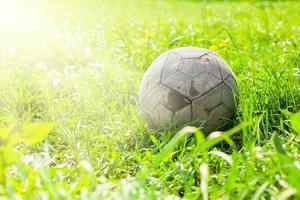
(78, 64)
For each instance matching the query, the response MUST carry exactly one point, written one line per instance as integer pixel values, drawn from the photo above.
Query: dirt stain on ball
(193, 92)
(176, 101)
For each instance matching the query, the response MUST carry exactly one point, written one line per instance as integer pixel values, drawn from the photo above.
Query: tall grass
(78, 64)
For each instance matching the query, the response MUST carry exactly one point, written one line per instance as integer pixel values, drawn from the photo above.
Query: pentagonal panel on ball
(202, 84)
(190, 52)
(150, 100)
(177, 82)
(230, 96)
(192, 67)
(211, 65)
(217, 118)
(225, 69)
(148, 83)
(172, 99)
(163, 116)
(231, 83)
(170, 66)
(183, 115)
(148, 116)
(156, 67)
(213, 98)
(198, 110)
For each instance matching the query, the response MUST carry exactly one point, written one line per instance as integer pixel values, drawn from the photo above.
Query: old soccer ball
(188, 85)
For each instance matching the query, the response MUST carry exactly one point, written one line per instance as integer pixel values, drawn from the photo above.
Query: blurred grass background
(79, 64)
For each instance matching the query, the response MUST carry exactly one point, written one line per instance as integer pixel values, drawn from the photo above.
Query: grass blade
(295, 121)
(204, 171)
(223, 155)
(259, 191)
(175, 141)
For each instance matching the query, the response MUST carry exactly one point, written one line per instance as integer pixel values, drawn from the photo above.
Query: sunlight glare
(18, 16)
(23, 25)
(13, 12)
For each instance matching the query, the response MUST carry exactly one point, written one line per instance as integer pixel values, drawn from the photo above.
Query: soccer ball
(188, 85)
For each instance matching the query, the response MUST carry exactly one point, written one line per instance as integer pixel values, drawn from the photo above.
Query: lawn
(70, 125)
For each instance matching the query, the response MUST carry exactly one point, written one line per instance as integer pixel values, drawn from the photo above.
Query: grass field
(73, 68)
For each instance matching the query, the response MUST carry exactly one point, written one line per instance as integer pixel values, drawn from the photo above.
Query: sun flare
(13, 12)
(18, 16)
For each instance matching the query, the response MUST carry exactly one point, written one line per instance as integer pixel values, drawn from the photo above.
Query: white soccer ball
(188, 85)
